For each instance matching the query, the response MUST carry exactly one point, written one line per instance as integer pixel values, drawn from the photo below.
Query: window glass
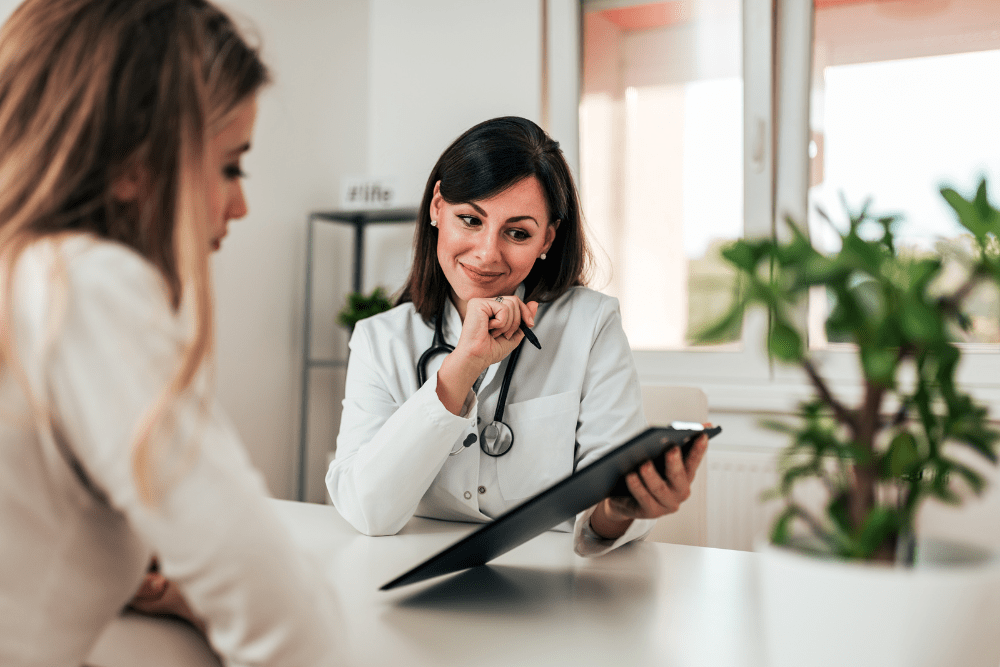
(661, 153)
(904, 100)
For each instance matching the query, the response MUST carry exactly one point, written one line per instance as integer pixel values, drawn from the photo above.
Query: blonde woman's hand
(158, 596)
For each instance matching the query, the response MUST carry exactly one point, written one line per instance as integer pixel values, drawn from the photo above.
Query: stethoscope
(497, 438)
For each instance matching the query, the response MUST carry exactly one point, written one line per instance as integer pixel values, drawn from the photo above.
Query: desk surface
(540, 604)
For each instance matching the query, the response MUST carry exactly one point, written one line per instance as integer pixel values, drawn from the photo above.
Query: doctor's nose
(488, 248)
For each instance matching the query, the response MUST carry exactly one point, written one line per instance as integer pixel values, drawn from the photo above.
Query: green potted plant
(359, 306)
(841, 583)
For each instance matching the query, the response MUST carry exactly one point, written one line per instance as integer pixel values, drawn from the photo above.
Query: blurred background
(682, 136)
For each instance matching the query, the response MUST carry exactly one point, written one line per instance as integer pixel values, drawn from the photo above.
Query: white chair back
(663, 404)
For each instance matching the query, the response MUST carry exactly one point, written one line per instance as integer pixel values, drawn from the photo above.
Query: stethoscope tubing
(438, 346)
(501, 437)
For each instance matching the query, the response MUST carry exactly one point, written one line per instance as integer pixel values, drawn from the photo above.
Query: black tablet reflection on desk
(521, 614)
(491, 589)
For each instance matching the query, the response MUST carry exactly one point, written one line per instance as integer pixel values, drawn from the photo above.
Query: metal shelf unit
(359, 220)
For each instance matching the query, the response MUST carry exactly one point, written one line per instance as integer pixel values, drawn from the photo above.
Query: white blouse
(568, 404)
(97, 342)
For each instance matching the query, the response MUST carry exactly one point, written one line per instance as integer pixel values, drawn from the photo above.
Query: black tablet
(561, 501)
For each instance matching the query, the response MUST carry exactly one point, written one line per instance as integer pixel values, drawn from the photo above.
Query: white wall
(311, 131)
(434, 68)
(437, 68)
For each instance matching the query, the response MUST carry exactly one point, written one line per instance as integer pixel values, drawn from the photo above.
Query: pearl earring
(434, 223)
(542, 256)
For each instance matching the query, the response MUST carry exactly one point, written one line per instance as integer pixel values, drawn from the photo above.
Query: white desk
(540, 604)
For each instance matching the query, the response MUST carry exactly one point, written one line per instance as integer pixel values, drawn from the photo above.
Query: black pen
(530, 336)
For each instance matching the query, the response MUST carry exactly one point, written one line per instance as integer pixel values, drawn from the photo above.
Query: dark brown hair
(483, 162)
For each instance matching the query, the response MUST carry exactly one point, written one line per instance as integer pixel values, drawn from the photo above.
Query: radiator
(736, 516)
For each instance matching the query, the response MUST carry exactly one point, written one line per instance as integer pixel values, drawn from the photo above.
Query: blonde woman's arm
(211, 526)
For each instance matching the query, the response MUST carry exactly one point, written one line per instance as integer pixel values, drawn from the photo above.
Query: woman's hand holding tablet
(656, 488)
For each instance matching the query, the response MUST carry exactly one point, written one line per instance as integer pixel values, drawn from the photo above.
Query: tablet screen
(550, 507)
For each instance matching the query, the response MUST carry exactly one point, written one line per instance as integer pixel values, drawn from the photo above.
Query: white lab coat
(567, 405)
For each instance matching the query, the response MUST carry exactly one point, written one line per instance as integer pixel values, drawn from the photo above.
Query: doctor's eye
(469, 220)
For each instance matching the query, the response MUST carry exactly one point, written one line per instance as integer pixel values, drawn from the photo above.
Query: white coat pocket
(544, 444)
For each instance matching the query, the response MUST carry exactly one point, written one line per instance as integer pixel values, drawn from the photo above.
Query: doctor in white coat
(499, 241)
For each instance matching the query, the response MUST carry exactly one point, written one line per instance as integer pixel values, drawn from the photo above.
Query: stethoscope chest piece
(496, 439)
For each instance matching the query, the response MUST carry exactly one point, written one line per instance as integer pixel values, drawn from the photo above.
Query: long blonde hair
(88, 90)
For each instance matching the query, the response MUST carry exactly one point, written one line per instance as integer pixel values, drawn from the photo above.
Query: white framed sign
(363, 193)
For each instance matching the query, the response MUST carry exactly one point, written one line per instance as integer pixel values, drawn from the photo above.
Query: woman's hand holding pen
(490, 332)
(652, 496)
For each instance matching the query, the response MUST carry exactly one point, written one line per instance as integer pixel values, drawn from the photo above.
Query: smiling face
(225, 188)
(486, 248)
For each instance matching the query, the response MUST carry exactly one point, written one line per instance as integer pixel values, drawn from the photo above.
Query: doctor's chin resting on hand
(451, 411)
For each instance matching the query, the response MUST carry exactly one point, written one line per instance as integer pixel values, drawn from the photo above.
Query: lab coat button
(482, 489)
(468, 495)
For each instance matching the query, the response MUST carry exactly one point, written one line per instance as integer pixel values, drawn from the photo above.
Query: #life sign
(364, 193)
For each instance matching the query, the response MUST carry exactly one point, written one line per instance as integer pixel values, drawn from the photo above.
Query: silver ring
(499, 299)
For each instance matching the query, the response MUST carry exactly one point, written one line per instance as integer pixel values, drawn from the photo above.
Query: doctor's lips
(480, 276)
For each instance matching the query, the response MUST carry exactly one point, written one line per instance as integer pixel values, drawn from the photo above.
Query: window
(903, 100)
(661, 125)
(681, 106)
(674, 162)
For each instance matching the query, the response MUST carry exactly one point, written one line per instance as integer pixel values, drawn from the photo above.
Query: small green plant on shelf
(878, 460)
(359, 306)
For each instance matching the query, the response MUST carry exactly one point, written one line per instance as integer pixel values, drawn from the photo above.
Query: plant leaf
(746, 255)
(781, 533)
(967, 214)
(839, 511)
(879, 365)
(902, 456)
(920, 322)
(726, 328)
(881, 524)
(785, 343)
(975, 481)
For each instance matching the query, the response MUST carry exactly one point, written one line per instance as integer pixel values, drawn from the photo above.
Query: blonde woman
(122, 126)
